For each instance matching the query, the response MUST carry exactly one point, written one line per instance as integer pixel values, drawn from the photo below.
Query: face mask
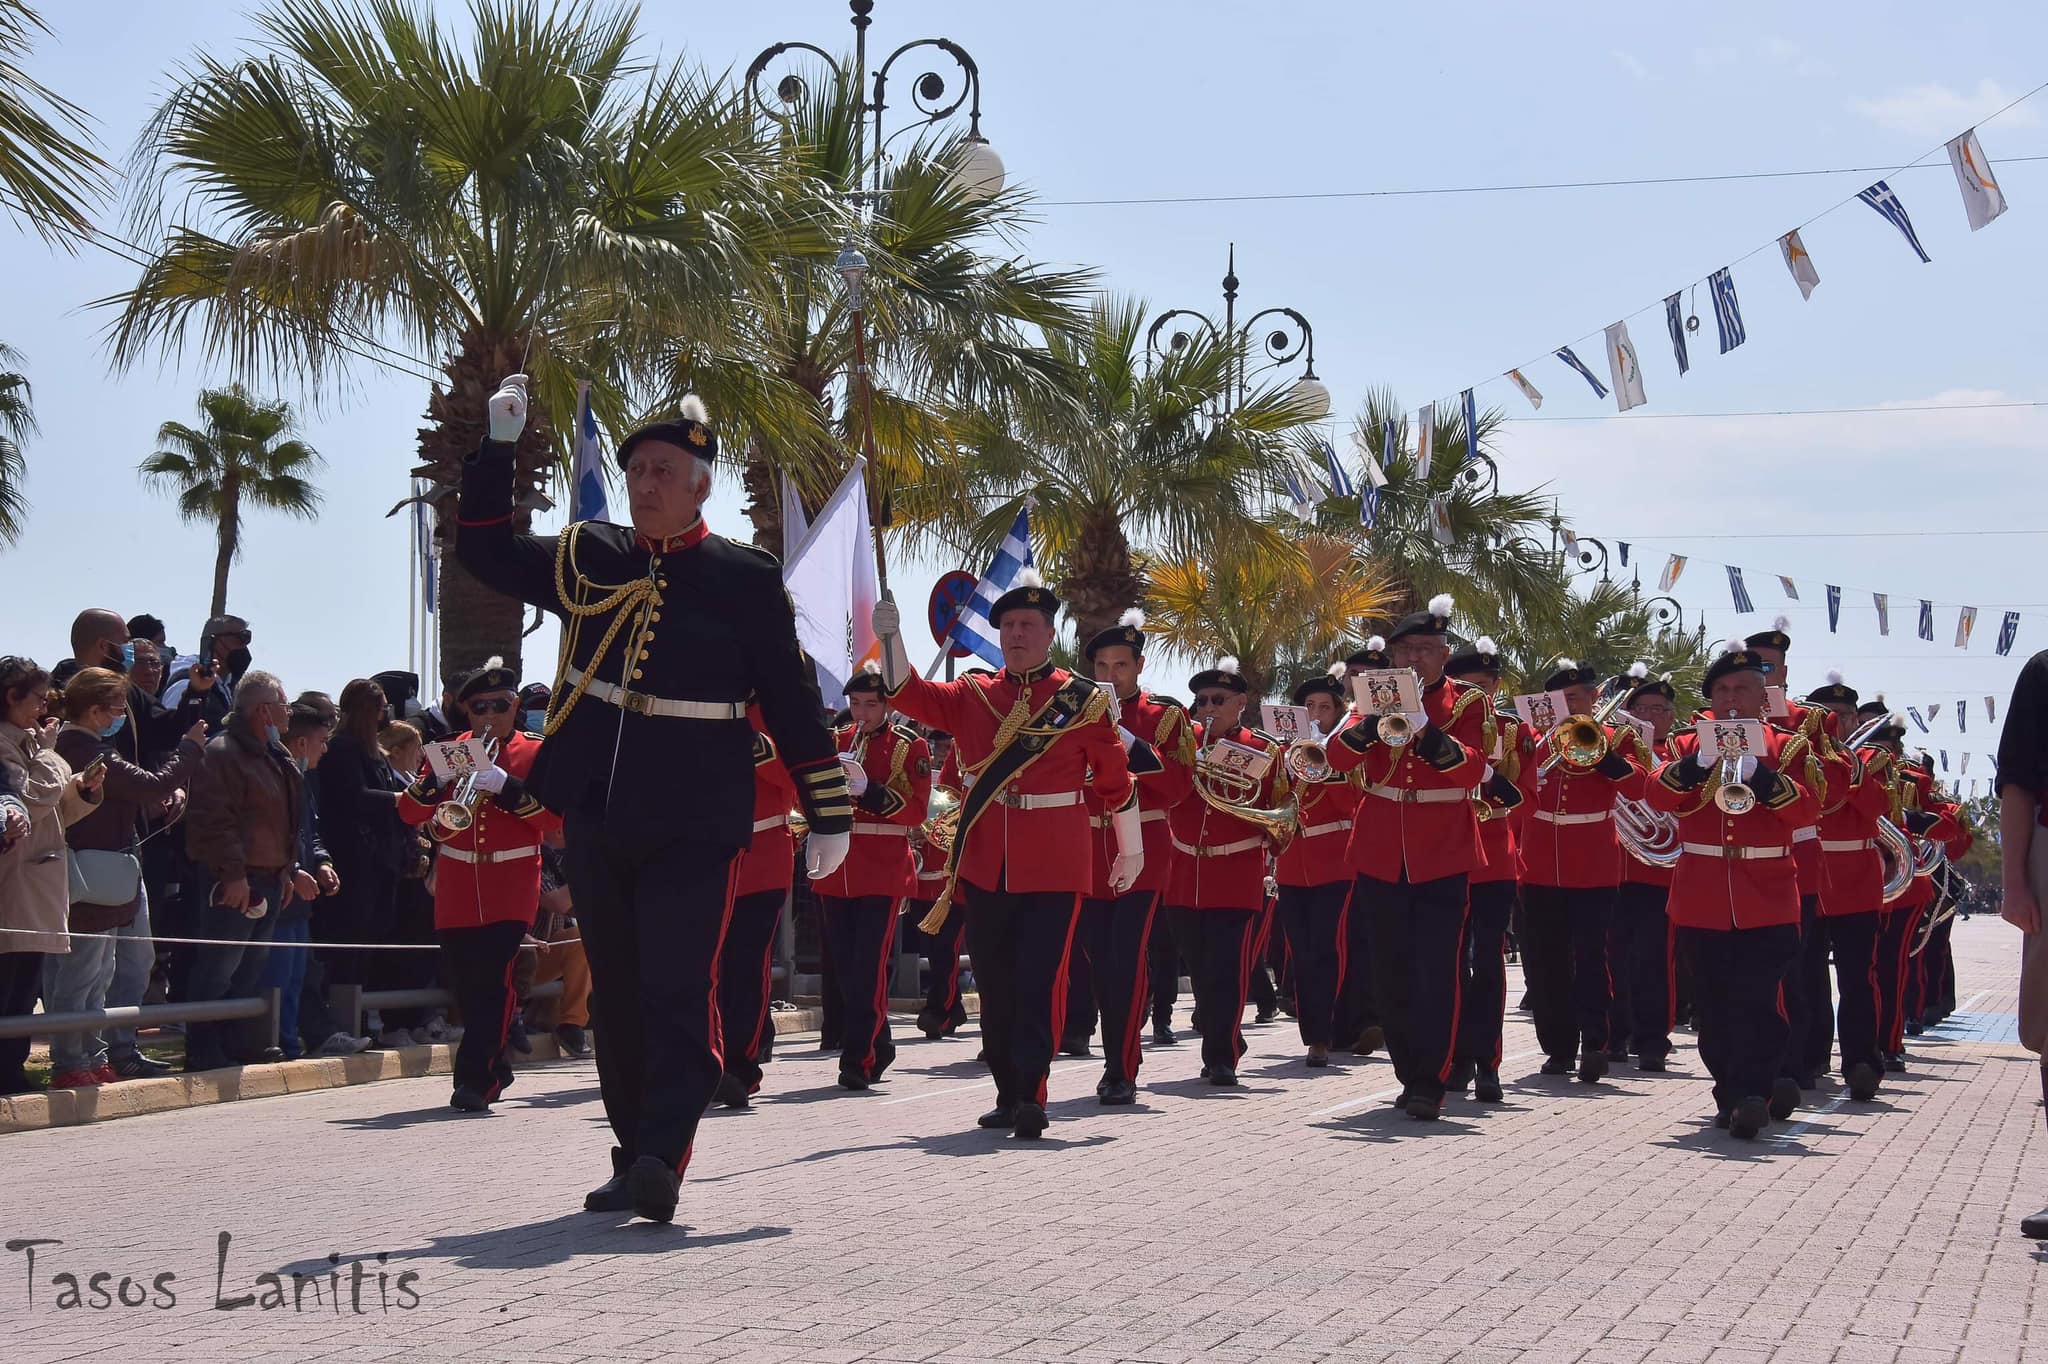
(115, 728)
(533, 720)
(270, 732)
(127, 656)
(238, 662)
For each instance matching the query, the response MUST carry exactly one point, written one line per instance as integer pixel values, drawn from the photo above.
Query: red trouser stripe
(497, 1086)
(1134, 1019)
(1059, 990)
(712, 1026)
(882, 956)
(1458, 994)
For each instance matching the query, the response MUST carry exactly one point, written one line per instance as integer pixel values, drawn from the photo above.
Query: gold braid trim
(637, 596)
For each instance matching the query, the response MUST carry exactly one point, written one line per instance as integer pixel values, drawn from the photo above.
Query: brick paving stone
(1298, 1221)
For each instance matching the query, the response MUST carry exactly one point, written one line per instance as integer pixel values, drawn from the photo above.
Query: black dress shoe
(468, 1100)
(1462, 1072)
(1721, 1119)
(572, 1040)
(1913, 1029)
(1617, 1055)
(1264, 1016)
(732, 1092)
(2035, 1226)
(1557, 1065)
(1317, 1056)
(1652, 1064)
(653, 1187)
(1784, 1097)
(1077, 1047)
(612, 1195)
(1401, 1100)
(853, 1080)
(1748, 1117)
(1423, 1108)
(1117, 1092)
(1002, 1115)
(1592, 1065)
(1895, 1061)
(1808, 1080)
(1030, 1121)
(1222, 1079)
(1369, 1041)
(1162, 1036)
(1863, 1081)
(516, 1038)
(1486, 1086)
(932, 1024)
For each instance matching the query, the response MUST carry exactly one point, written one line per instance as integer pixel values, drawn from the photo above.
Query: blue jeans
(229, 970)
(134, 959)
(285, 972)
(75, 980)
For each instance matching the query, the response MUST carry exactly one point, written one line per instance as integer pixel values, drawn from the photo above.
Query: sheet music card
(1723, 738)
(1387, 691)
(1542, 711)
(1643, 728)
(1232, 756)
(1285, 723)
(454, 759)
(1775, 704)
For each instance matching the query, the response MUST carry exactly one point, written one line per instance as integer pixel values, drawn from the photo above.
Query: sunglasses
(1218, 698)
(498, 707)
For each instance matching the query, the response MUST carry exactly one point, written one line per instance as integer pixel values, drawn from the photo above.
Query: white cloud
(1937, 111)
(1633, 64)
(1710, 58)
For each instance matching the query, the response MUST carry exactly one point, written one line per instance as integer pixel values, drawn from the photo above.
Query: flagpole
(853, 268)
(412, 589)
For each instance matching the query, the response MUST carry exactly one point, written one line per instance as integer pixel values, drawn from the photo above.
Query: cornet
(1733, 796)
(458, 812)
(1394, 730)
(1307, 759)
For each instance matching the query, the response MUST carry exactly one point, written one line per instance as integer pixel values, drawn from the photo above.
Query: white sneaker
(454, 1032)
(341, 1044)
(436, 1031)
(395, 1037)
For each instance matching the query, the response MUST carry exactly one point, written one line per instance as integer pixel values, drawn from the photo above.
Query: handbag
(103, 877)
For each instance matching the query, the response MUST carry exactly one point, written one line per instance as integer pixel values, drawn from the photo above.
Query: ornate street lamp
(1290, 337)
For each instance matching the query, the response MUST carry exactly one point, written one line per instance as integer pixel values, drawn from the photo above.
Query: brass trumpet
(1395, 731)
(1308, 760)
(455, 814)
(1733, 796)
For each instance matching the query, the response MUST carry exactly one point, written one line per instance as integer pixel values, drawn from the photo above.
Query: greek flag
(1962, 714)
(1340, 478)
(1471, 407)
(1914, 711)
(1624, 552)
(1727, 312)
(1880, 197)
(1884, 615)
(1674, 323)
(1390, 442)
(973, 630)
(1944, 760)
(423, 545)
(1926, 619)
(587, 502)
(1564, 353)
(1743, 605)
(1834, 607)
(1369, 508)
(1297, 491)
(2008, 631)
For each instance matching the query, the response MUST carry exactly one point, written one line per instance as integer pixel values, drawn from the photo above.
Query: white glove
(1488, 776)
(824, 852)
(1129, 738)
(508, 409)
(1418, 720)
(856, 778)
(887, 620)
(491, 779)
(888, 623)
(1130, 849)
(1747, 765)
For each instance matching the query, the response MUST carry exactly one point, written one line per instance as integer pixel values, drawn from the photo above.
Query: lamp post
(1291, 336)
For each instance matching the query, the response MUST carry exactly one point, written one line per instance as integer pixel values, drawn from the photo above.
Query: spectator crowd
(148, 797)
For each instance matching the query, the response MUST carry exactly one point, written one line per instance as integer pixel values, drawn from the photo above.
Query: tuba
(455, 814)
(1230, 792)
(1895, 846)
(1647, 835)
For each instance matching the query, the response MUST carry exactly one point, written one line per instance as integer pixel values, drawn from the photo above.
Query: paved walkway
(1297, 1219)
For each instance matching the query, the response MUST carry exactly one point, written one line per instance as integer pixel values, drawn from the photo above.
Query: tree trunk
(477, 623)
(1101, 582)
(764, 499)
(230, 540)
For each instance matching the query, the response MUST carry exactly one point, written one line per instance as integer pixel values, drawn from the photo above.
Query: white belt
(1151, 816)
(1402, 795)
(1335, 826)
(508, 855)
(1734, 853)
(1051, 800)
(1847, 844)
(1147, 817)
(1592, 817)
(891, 830)
(640, 703)
(1806, 835)
(762, 826)
(1242, 845)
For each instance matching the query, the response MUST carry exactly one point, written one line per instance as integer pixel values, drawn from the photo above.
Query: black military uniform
(650, 760)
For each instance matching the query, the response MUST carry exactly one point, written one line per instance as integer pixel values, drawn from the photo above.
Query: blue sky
(1426, 294)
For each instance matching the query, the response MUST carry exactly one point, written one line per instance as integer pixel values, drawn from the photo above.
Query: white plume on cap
(1485, 647)
(1134, 618)
(495, 661)
(1782, 624)
(1227, 665)
(692, 409)
(1879, 698)
(872, 668)
(1378, 644)
(1732, 646)
(1565, 664)
(1441, 605)
(1338, 671)
(1638, 670)
(1028, 577)
(1834, 677)
(1895, 719)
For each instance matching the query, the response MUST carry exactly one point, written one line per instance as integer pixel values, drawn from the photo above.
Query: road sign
(950, 595)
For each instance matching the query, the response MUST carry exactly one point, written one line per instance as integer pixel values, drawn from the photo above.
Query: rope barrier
(265, 942)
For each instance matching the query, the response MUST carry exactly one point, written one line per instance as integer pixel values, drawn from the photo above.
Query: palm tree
(523, 195)
(1143, 464)
(244, 452)
(17, 424)
(49, 175)
(1606, 628)
(1285, 615)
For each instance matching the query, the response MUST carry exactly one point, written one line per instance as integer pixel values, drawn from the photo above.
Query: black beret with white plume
(689, 430)
(1482, 656)
(1435, 619)
(493, 676)
(868, 679)
(1640, 683)
(1835, 693)
(1773, 638)
(1330, 684)
(1735, 657)
(1129, 631)
(1566, 672)
(1029, 594)
(1225, 675)
(1372, 656)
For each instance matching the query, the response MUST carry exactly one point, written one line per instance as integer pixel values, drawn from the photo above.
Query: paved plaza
(1296, 1219)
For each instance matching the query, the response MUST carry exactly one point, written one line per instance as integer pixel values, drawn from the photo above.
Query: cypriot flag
(831, 582)
(1528, 389)
(1425, 439)
(1622, 367)
(1799, 263)
(1673, 566)
(1982, 197)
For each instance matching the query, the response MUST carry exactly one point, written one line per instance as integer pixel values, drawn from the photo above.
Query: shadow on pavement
(561, 1238)
(1384, 1123)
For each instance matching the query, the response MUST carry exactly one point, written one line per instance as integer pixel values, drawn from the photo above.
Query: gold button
(636, 674)
(647, 638)
(642, 658)
(661, 582)
(653, 617)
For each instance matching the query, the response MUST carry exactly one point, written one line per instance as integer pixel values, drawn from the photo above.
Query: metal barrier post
(267, 1025)
(345, 1002)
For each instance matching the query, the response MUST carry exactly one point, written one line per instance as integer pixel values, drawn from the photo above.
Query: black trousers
(1358, 1001)
(1163, 967)
(1078, 1022)
(653, 917)
(1260, 989)
(1639, 962)
(477, 964)
(1219, 945)
(1812, 1042)
(1896, 929)
(1113, 938)
(1418, 945)
(1854, 939)
(1737, 979)
(1482, 1008)
(942, 952)
(1938, 999)
(21, 984)
(1798, 1005)
(1019, 941)
(1565, 960)
(1316, 921)
(863, 933)
(746, 962)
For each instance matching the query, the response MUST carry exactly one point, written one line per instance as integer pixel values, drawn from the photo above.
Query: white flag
(1966, 621)
(1622, 367)
(1375, 476)
(1425, 439)
(1966, 762)
(1528, 389)
(1799, 263)
(831, 583)
(794, 524)
(1982, 198)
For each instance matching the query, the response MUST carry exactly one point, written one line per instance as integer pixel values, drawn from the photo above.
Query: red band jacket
(1569, 841)
(490, 872)
(769, 862)
(1416, 814)
(1221, 859)
(898, 764)
(1736, 870)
